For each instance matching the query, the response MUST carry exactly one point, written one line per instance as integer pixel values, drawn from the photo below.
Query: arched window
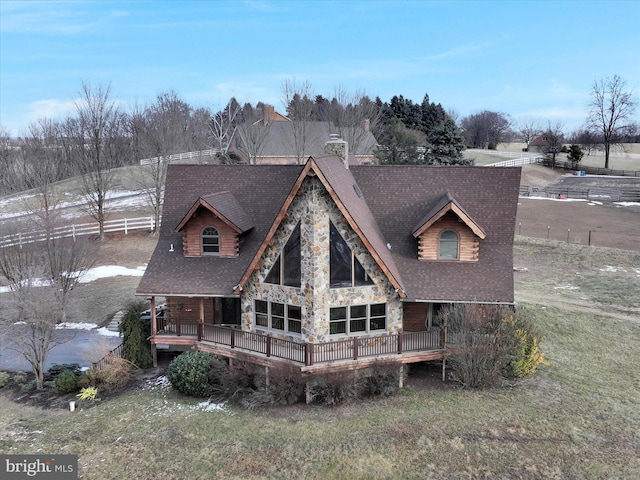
(448, 245)
(210, 241)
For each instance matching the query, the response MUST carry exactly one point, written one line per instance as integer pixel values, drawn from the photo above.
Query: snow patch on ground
(106, 271)
(168, 408)
(610, 268)
(95, 273)
(566, 287)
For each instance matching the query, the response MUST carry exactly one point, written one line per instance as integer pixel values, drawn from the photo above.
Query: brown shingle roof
(224, 206)
(394, 200)
(446, 204)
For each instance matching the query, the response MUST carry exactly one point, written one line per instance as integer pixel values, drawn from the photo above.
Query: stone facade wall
(314, 210)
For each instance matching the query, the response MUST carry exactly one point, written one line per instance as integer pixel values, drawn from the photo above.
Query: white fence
(74, 230)
(181, 156)
(514, 162)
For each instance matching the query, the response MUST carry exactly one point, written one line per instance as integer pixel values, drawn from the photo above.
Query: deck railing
(108, 358)
(303, 352)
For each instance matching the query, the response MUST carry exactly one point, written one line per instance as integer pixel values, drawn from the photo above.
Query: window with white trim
(210, 241)
(278, 317)
(358, 319)
(448, 245)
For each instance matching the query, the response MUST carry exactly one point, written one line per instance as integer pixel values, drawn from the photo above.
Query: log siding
(468, 243)
(192, 235)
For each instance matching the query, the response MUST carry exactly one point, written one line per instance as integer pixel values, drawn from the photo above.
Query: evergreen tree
(398, 145)
(445, 145)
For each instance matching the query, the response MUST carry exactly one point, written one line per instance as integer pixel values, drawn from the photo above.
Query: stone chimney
(267, 114)
(366, 125)
(339, 147)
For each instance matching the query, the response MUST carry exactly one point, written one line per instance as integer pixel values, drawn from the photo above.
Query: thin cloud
(458, 51)
(51, 108)
(46, 17)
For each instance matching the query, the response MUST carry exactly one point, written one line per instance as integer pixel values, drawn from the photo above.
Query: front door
(230, 311)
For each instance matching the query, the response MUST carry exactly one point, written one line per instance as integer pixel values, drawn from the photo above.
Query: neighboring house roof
(384, 205)
(279, 139)
(540, 141)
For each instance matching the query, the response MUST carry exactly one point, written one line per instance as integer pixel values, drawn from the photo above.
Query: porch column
(201, 326)
(154, 330)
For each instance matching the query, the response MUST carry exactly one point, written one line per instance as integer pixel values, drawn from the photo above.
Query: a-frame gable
(445, 205)
(274, 226)
(354, 210)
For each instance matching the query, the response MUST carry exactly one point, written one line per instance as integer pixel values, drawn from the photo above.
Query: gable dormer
(213, 226)
(448, 233)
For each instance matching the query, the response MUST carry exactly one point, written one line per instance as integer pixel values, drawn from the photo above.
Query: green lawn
(579, 417)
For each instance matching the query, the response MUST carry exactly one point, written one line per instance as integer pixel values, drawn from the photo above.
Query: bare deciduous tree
(158, 131)
(252, 131)
(611, 111)
(297, 97)
(222, 124)
(529, 129)
(98, 142)
(34, 333)
(356, 114)
(485, 129)
(554, 138)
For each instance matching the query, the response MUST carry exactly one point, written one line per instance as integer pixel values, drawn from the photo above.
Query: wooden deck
(266, 349)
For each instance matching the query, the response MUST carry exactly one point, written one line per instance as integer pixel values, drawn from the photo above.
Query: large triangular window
(345, 269)
(286, 270)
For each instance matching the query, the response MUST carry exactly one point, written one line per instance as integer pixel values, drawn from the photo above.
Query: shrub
(491, 342)
(189, 373)
(285, 387)
(4, 379)
(383, 380)
(88, 393)
(66, 382)
(19, 377)
(333, 388)
(135, 336)
(480, 350)
(115, 376)
(27, 387)
(57, 369)
(526, 355)
(88, 378)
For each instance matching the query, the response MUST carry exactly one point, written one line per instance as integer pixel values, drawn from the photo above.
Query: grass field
(579, 417)
(621, 159)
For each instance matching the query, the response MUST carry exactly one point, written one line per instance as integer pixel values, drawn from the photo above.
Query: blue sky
(531, 60)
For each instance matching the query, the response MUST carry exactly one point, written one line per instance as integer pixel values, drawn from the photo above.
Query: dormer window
(210, 241)
(448, 245)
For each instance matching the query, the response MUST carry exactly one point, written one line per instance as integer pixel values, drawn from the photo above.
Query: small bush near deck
(66, 382)
(383, 380)
(526, 356)
(285, 387)
(88, 378)
(333, 388)
(4, 379)
(490, 342)
(115, 376)
(189, 373)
